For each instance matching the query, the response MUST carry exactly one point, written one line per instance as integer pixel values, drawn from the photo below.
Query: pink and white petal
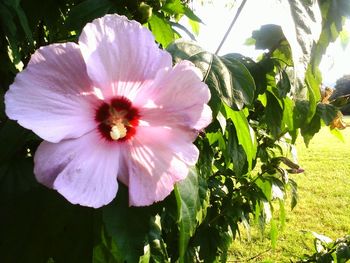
(120, 55)
(53, 95)
(176, 97)
(83, 170)
(160, 157)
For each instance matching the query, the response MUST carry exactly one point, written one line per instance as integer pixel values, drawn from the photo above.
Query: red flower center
(117, 121)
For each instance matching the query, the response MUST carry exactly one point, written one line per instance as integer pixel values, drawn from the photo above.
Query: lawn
(323, 207)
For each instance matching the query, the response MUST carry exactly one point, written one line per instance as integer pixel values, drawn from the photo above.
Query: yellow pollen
(118, 131)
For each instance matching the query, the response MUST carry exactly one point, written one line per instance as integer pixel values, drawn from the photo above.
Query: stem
(230, 27)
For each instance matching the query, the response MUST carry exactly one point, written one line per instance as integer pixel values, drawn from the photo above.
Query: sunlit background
(217, 16)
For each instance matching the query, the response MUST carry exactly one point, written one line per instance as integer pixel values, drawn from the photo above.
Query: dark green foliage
(267, 37)
(257, 115)
(327, 251)
(39, 225)
(342, 93)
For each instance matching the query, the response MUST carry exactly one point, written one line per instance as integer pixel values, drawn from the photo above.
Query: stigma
(118, 131)
(117, 120)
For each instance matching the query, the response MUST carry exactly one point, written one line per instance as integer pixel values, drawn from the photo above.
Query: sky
(218, 15)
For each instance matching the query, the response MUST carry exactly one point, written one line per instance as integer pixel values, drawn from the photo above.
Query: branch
(230, 27)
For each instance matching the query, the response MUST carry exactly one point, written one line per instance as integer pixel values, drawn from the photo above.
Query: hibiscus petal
(120, 55)
(83, 170)
(176, 97)
(52, 96)
(160, 157)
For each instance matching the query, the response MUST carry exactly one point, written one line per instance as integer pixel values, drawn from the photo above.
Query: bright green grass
(323, 207)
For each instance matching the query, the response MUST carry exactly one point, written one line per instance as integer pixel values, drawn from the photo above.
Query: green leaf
(288, 109)
(341, 101)
(194, 26)
(338, 134)
(85, 12)
(334, 14)
(24, 23)
(192, 201)
(273, 114)
(213, 242)
(175, 7)
(181, 50)
(294, 192)
(266, 187)
(313, 127)
(192, 16)
(245, 134)
(327, 112)
(161, 29)
(302, 29)
(128, 227)
(228, 79)
(104, 248)
(313, 81)
(300, 113)
(155, 248)
(243, 85)
(283, 85)
(236, 152)
(257, 70)
(344, 36)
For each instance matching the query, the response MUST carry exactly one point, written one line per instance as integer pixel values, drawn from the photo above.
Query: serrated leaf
(242, 81)
(191, 198)
(302, 28)
(228, 79)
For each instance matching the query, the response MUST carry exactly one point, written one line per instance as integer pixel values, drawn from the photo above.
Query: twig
(249, 259)
(230, 27)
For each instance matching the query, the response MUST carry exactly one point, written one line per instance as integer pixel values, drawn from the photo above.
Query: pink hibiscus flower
(110, 108)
